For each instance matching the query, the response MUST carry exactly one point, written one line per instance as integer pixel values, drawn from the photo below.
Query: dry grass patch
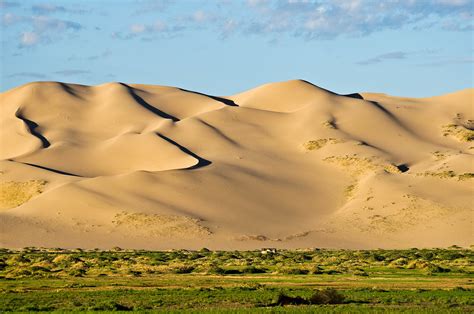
(357, 165)
(14, 193)
(160, 225)
(320, 143)
(465, 176)
(461, 133)
(350, 190)
(447, 175)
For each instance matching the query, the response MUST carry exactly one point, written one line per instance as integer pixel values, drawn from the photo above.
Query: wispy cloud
(150, 31)
(72, 72)
(8, 4)
(45, 8)
(49, 8)
(329, 19)
(311, 19)
(106, 53)
(422, 58)
(396, 55)
(36, 75)
(42, 28)
(151, 6)
(33, 75)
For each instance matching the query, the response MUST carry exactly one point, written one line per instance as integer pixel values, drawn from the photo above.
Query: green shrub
(215, 270)
(78, 272)
(110, 306)
(360, 272)
(134, 273)
(317, 270)
(293, 271)
(183, 269)
(327, 296)
(253, 270)
(283, 299)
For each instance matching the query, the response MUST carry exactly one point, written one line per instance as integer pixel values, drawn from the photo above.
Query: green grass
(249, 281)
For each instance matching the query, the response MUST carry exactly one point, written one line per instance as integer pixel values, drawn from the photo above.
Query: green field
(306, 281)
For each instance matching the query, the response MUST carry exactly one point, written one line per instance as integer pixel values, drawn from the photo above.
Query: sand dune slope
(286, 164)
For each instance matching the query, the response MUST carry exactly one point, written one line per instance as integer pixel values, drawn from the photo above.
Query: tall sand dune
(286, 164)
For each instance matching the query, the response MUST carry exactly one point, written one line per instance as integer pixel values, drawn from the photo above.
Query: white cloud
(199, 16)
(45, 23)
(256, 3)
(29, 39)
(9, 19)
(137, 28)
(314, 19)
(42, 28)
(8, 4)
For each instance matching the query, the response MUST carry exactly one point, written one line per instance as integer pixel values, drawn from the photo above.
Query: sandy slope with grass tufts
(283, 165)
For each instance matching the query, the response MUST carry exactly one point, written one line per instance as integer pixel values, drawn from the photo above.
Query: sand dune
(286, 164)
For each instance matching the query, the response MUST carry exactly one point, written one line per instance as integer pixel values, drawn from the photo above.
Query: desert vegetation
(447, 174)
(289, 280)
(357, 165)
(460, 132)
(320, 143)
(13, 193)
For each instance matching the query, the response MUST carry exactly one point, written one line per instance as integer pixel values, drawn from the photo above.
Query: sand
(283, 165)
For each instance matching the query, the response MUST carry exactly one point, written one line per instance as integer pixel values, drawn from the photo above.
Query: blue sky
(222, 47)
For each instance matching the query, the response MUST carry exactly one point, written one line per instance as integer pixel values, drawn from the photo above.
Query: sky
(223, 47)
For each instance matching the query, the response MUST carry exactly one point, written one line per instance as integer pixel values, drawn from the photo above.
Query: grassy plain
(304, 281)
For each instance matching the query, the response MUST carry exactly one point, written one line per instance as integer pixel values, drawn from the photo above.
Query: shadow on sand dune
(223, 100)
(201, 161)
(147, 106)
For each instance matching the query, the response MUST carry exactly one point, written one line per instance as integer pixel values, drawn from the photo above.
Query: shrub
(135, 273)
(182, 269)
(253, 270)
(326, 296)
(216, 270)
(283, 299)
(293, 271)
(232, 271)
(78, 272)
(317, 270)
(465, 176)
(359, 272)
(111, 306)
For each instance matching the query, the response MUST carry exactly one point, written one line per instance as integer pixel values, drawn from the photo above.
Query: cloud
(200, 16)
(326, 19)
(36, 75)
(318, 19)
(9, 19)
(396, 55)
(45, 8)
(424, 55)
(72, 72)
(138, 28)
(151, 6)
(8, 4)
(29, 39)
(150, 31)
(43, 28)
(44, 23)
(28, 75)
(103, 55)
(48, 8)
